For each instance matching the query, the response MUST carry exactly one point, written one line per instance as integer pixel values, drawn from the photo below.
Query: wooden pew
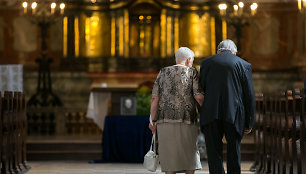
(271, 129)
(277, 153)
(275, 131)
(15, 132)
(280, 133)
(290, 127)
(293, 111)
(1, 136)
(295, 131)
(24, 133)
(284, 165)
(20, 132)
(259, 133)
(256, 164)
(300, 134)
(266, 135)
(6, 128)
(13, 146)
(11, 132)
(263, 133)
(303, 134)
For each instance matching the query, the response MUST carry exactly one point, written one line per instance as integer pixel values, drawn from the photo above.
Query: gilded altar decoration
(140, 29)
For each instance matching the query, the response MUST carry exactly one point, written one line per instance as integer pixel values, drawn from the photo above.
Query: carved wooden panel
(1, 34)
(56, 36)
(265, 36)
(25, 35)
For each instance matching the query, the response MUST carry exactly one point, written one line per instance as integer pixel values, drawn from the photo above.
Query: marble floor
(83, 167)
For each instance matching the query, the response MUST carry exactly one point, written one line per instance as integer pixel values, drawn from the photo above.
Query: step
(63, 155)
(63, 146)
(64, 150)
(82, 149)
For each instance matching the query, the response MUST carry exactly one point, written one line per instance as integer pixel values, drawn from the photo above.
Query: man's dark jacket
(228, 89)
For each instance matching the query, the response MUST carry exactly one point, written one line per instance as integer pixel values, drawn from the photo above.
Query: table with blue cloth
(126, 139)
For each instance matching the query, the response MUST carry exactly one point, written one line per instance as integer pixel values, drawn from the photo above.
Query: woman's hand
(153, 127)
(247, 131)
(199, 98)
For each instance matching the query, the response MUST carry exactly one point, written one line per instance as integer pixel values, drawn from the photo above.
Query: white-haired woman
(173, 111)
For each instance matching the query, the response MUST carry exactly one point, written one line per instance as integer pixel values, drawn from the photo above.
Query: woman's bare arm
(154, 106)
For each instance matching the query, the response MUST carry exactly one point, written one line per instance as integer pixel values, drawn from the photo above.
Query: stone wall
(71, 87)
(74, 88)
(276, 81)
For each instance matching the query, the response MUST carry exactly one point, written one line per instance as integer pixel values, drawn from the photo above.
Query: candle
(62, 7)
(240, 9)
(25, 6)
(34, 5)
(53, 5)
(236, 10)
(222, 8)
(253, 7)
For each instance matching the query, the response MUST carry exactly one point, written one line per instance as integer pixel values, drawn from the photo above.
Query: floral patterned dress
(177, 131)
(175, 87)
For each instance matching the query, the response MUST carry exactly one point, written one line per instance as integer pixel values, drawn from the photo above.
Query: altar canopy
(11, 78)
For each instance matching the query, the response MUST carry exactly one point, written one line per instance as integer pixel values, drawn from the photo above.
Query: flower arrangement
(143, 98)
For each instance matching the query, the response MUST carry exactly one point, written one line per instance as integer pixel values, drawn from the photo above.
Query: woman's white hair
(227, 45)
(182, 54)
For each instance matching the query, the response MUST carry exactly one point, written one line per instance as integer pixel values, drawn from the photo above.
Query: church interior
(75, 65)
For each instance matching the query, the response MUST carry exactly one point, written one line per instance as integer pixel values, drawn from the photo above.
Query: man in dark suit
(228, 107)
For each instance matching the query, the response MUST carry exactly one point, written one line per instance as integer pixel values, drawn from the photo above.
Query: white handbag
(151, 158)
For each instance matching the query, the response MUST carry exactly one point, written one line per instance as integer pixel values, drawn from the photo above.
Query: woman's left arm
(154, 106)
(153, 111)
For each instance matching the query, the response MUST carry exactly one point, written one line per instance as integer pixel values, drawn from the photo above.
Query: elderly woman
(173, 111)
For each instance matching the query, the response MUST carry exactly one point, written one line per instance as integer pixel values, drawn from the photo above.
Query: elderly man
(228, 107)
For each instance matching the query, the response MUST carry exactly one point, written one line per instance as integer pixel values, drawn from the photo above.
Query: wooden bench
(13, 133)
(280, 133)
(24, 131)
(1, 135)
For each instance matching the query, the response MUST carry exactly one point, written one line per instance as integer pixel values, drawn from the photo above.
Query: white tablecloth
(97, 107)
(11, 78)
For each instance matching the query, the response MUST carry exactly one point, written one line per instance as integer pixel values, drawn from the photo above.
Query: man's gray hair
(183, 53)
(228, 45)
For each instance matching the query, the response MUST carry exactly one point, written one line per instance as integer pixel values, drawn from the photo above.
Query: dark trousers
(214, 133)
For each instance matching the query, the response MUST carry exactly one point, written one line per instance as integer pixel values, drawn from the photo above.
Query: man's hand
(247, 131)
(153, 127)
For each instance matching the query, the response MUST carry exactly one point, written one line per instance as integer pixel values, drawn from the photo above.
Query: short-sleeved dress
(177, 127)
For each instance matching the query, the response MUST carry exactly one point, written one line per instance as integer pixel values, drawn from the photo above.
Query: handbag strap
(153, 142)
